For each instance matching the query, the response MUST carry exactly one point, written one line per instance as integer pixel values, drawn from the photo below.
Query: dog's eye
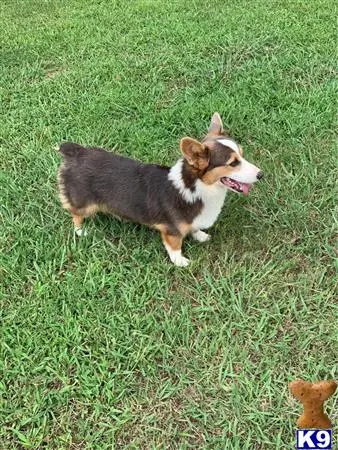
(234, 163)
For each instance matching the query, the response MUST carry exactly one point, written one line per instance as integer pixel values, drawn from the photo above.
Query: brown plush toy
(313, 396)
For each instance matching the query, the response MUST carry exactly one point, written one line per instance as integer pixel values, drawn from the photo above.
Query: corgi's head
(218, 160)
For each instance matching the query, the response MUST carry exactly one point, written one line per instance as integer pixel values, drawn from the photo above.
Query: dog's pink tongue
(245, 188)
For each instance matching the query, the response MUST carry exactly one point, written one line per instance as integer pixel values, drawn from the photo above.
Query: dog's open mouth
(237, 186)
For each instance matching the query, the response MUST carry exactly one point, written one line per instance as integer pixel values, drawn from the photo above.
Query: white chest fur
(213, 199)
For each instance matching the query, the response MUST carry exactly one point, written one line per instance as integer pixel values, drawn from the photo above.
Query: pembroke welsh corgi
(184, 199)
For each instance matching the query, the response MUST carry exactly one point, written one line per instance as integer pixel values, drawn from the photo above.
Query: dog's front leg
(200, 236)
(173, 245)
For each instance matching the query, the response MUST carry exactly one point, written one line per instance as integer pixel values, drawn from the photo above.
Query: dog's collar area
(236, 186)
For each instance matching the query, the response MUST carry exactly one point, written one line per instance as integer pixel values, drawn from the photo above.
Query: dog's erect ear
(195, 153)
(216, 126)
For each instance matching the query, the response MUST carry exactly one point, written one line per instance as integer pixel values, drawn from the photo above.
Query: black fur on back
(139, 192)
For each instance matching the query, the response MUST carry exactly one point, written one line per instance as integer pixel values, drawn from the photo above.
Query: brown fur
(174, 242)
(195, 153)
(62, 195)
(185, 228)
(160, 227)
(77, 220)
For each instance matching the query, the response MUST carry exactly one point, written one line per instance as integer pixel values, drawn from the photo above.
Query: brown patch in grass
(51, 73)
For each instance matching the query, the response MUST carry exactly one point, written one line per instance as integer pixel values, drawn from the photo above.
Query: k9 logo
(314, 439)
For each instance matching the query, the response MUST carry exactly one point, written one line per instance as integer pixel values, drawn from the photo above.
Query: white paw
(178, 259)
(181, 261)
(200, 236)
(80, 232)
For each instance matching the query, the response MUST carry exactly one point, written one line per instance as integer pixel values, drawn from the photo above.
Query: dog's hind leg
(77, 221)
(79, 214)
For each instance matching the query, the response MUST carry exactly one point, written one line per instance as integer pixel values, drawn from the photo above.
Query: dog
(184, 199)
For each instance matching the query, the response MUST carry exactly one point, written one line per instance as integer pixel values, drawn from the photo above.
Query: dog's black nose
(260, 175)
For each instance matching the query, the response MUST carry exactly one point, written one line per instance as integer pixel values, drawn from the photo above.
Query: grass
(105, 344)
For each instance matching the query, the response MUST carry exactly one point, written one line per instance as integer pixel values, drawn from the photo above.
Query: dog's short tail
(70, 149)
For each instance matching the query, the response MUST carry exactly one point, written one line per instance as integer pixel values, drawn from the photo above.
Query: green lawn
(105, 344)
